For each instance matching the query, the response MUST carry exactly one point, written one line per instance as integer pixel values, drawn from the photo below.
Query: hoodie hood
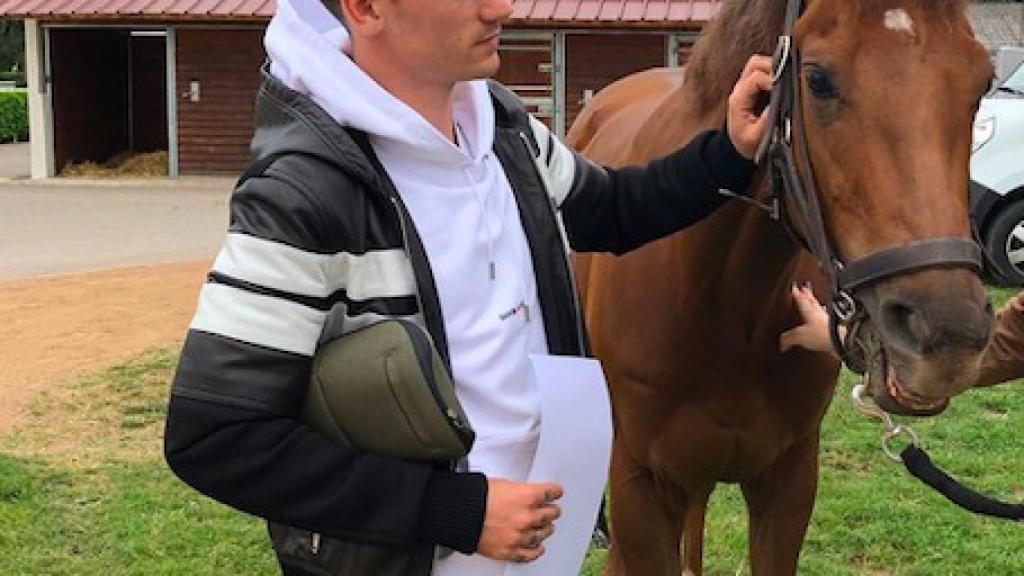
(310, 49)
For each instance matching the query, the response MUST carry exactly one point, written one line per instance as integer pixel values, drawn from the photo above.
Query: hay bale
(123, 165)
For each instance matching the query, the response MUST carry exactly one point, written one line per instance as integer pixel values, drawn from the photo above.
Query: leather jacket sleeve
(618, 210)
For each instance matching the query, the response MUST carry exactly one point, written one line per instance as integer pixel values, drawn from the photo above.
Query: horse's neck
(743, 248)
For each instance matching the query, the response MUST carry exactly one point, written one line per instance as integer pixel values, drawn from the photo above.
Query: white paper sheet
(574, 451)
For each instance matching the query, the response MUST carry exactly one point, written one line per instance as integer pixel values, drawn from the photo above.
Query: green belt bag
(381, 389)
(384, 389)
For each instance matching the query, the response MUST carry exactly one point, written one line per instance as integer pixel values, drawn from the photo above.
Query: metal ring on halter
(782, 57)
(896, 432)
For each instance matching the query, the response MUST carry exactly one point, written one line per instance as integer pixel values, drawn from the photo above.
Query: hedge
(17, 77)
(13, 116)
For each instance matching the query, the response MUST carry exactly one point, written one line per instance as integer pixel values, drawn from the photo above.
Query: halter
(785, 140)
(795, 202)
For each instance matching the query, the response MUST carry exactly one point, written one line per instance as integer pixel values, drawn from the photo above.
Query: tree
(12, 45)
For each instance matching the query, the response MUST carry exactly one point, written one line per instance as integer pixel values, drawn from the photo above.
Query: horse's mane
(746, 27)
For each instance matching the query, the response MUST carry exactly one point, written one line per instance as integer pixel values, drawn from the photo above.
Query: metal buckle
(781, 57)
(774, 207)
(844, 307)
(770, 206)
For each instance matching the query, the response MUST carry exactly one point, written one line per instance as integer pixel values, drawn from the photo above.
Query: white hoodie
(463, 208)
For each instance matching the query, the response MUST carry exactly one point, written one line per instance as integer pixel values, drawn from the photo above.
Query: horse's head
(888, 94)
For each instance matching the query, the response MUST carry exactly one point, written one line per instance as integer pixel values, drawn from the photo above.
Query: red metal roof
(574, 13)
(138, 9)
(621, 12)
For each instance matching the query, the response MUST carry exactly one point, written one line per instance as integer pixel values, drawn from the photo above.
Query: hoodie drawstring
(482, 206)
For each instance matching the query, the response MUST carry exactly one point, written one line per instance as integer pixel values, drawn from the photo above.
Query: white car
(997, 177)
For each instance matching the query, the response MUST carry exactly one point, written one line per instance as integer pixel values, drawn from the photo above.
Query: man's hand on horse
(746, 120)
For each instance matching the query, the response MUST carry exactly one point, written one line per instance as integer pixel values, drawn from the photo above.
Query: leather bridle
(795, 201)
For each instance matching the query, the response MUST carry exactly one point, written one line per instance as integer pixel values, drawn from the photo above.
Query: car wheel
(1005, 242)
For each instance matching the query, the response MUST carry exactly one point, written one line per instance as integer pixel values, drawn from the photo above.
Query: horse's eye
(820, 83)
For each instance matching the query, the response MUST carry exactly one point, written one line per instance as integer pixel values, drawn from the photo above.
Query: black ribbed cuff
(730, 169)
(453, 510)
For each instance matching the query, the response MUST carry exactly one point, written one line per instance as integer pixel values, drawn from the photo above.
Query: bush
(13, 116)
(17, 77)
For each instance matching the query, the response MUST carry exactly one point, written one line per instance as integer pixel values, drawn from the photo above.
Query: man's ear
(362, 16)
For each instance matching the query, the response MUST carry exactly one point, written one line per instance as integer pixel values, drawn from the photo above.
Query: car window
(1016, 80)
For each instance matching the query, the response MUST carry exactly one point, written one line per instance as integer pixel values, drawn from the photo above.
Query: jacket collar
(288, 122)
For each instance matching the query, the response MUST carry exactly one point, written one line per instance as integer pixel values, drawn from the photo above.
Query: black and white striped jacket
(319, 245)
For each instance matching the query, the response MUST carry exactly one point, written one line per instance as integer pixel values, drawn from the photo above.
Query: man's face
(445, 41)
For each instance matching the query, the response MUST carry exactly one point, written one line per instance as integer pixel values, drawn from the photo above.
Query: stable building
(108, 77)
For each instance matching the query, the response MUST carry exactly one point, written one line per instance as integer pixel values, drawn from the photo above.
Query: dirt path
(59, 328)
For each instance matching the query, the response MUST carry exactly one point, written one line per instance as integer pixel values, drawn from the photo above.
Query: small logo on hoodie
(520, 309)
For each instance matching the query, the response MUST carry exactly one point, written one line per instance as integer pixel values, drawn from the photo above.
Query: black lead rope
(920, 465)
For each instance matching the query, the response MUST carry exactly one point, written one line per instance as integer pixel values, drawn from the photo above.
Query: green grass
(872, 517)
(98, 500)
(121, 519)
(84, 491)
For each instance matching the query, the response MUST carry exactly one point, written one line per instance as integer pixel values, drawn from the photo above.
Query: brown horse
(688, 327)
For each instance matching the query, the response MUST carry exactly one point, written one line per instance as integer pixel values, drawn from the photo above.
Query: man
(1002, 361)
(388, 181)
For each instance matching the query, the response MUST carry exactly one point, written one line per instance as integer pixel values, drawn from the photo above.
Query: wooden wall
(593, 61)
(526, 68)
(214, 133)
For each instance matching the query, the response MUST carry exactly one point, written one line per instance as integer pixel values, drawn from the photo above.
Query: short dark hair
(334, 7)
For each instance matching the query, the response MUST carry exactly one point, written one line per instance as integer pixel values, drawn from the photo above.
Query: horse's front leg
(780, 502)
(647, 521)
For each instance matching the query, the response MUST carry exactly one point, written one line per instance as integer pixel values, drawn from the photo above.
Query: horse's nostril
(989, 310)
(905, 325)
(933, 329)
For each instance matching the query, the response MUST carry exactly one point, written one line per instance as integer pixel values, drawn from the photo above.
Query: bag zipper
(314, 543)
(421, 345)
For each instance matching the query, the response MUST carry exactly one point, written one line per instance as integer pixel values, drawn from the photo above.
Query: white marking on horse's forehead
(898, 20)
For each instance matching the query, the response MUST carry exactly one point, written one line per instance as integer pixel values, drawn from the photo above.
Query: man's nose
(496, 10)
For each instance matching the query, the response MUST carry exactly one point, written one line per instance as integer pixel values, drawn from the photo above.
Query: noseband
(795, 201)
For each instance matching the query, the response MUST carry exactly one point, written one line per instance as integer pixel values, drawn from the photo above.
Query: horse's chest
(720, 429)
